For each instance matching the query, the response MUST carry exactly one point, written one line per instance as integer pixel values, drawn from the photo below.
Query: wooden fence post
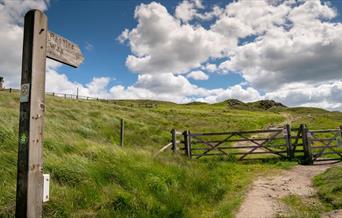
(185, 135)
(10, 90)
(174, 140)
(122, 132)
(29, 197)
(187, 143)
(307, 146)
(290, 153)
(77, 93)
(339, 141)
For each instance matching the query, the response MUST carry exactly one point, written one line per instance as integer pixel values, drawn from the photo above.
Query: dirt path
(262, 201)
(290, 118)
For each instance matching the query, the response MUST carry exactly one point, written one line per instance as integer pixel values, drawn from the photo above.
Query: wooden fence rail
(301, 144)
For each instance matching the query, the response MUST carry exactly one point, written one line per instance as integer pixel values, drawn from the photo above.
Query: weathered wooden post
(29, 198)
(174, 140)
(339, 138)
(187, 143)
(77, 93)
(185, 139)
(10, 90)
(1, 82)
(122, 132)
(289, 149)
(38, 44)
(306, 146)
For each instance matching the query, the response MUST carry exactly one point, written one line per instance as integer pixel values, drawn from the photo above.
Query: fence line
(81, 97)
(62, 95)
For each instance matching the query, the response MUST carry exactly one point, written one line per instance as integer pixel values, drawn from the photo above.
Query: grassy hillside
(93, 177)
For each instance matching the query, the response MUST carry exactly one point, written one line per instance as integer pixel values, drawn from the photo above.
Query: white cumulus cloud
(11, 37)
(273, 45)
(198, 75)
(161, 44)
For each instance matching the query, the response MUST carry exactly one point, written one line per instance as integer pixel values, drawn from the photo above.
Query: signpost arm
(32, 104)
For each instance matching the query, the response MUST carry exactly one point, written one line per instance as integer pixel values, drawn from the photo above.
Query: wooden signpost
(38, 44)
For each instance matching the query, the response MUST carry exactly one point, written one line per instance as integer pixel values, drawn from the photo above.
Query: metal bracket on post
(46, 187)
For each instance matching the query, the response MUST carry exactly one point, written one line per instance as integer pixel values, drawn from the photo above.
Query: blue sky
(189, 50)
(100, 23)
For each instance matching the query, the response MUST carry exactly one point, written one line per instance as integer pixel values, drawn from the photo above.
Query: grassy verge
(299, 207)
(329, 186)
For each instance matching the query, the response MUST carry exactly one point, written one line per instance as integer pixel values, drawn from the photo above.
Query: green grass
(316, 118)
(93, 177)
(329, 186)
(302, 208)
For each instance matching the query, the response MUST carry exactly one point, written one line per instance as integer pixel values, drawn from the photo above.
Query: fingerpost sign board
(38, 45)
